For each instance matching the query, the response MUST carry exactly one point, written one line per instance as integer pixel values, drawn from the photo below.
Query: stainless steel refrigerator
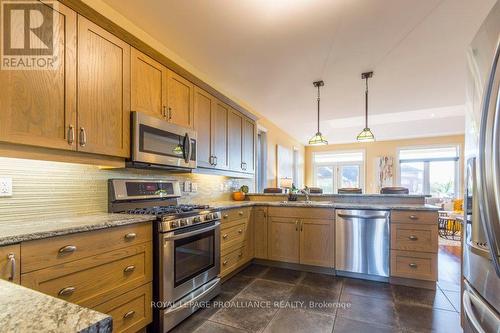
(481, 262)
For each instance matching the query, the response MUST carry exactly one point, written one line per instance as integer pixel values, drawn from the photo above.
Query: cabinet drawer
(233, 235)
(130, 311)
(414, 237)
(91, 281)
(414, 265)
(234, 214)
(310, 213)
(233, 260)
(10, 258)
(412, 216)
(57, 250)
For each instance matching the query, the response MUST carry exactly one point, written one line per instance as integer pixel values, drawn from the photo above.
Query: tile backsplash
(51, 189)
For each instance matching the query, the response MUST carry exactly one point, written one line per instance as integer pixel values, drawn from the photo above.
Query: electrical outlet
(6, 187)
(187, 186)
(194, 187)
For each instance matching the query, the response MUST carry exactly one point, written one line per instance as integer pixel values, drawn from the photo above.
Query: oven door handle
(171, 236)
(182, 306)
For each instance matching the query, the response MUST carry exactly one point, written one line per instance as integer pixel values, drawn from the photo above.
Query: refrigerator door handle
(489, 167)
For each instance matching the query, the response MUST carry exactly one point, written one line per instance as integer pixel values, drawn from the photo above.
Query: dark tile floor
(265, 299)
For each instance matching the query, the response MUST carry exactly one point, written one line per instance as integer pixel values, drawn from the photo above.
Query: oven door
(158, 143)
(189, 258)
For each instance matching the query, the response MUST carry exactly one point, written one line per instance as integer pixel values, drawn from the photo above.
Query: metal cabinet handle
(413, 265)
(224, 236)
(129, 269)
(240, 213)
(128, 314)
(67, 249)
(296, 225)
(71, 135)
(301, 225)
(68, 291)
(240, 231)
(12, 258)
(413, 238)
(240, 255)
(83, 137)
(169, 113)
(164, 111)
(413, 217)
(215, 161)
(225, 216)
(130, 236)
(224, 263)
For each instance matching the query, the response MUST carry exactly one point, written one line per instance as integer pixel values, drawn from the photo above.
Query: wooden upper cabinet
(148, 87)
(220, 135)
(248, 146)
(235, 121)
(38, 107)
(180, 100)
(103, 91)
(204, 104)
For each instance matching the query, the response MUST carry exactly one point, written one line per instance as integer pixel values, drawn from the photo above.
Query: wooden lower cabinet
(130, 311)
(284, 239)
(260, 232)
(414, 265)
(115, 279)
(316, 245)
(301, 235)
(10, 257)
(236, 239)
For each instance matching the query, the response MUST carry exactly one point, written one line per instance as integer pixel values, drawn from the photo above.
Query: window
(432, 171)
(334, 170)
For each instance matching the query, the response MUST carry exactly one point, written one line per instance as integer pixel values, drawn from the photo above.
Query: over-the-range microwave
(159, 144)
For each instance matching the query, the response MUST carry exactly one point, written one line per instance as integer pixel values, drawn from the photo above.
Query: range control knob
(208, 217)
(174, 224)
(196, 219)
(183, 222)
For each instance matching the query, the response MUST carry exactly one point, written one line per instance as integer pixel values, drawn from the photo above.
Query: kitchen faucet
(306, 192)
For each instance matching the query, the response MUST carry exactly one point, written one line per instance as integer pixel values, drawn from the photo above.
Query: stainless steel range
(186, 246)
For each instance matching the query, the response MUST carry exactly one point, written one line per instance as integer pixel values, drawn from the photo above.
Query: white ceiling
(268, 53)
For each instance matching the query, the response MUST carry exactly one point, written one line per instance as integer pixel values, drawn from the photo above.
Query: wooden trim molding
(99, 19)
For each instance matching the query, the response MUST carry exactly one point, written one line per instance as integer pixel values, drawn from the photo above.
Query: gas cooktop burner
(167, 210)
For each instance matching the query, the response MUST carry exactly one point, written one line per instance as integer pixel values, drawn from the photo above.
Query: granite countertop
(350, 195)
(320, 204)
(24, 230)
(26, 310)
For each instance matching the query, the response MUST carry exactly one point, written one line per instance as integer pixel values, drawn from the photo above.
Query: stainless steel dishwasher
(362, 243)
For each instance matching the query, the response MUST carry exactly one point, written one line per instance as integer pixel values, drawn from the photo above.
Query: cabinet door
(10, 258)
(180, 100)
(38, 107)
(283, 241)
(148, 87)
(316, 242)
(260, 232)
(248, 143)
(235, 121)
(219, 135)
(204, 105)
(103, 91)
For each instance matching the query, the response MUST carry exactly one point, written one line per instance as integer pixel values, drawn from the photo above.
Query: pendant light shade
(318, 139)
(366, 134)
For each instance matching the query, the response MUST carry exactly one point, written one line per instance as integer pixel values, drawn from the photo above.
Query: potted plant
(240, 195)
(292, 195)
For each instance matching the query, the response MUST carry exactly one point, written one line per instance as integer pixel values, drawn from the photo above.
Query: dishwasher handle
(364, 217)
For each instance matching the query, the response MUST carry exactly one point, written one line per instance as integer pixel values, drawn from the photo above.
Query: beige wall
(276, 136)
(382, 148)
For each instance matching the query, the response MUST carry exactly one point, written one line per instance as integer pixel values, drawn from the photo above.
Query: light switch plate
(194, 187)
(187, 186)
(6, 187)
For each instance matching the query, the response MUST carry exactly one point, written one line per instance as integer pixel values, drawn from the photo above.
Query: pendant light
(366, 134)
(318, 139)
